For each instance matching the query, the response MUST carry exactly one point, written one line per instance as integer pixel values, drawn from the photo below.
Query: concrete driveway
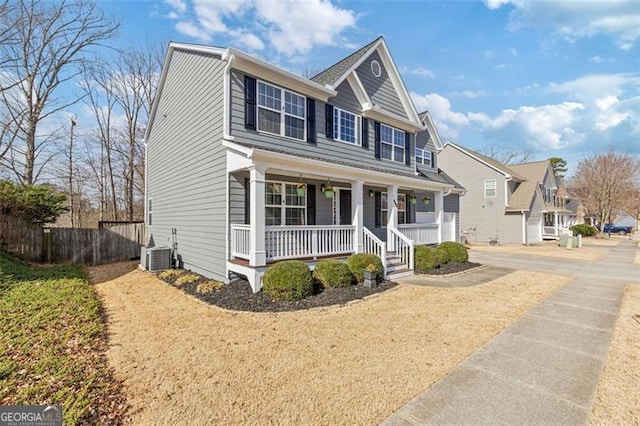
(545, 367)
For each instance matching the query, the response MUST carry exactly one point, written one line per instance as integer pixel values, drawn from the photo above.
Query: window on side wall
(424, 156)
(281, 112)
(346, 126)
(391, 143)
(490, 188)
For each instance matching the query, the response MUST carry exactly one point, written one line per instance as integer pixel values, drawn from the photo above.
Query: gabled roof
(522, 196)
(337, 70)
(507, 171)
(535, 171)
(425, 118)
(345, 70)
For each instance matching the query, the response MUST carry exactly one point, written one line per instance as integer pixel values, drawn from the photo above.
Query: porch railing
(374, 245)
(556, 231)
(240, 240)
(420, 233)
(291, 242)
(402, 245)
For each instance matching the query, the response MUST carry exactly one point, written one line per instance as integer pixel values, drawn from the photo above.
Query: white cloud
(595, 86)
(577, 19)
(423, 72)
(290, 27)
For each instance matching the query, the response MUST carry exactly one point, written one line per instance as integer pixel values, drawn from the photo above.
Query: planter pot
(300, 191)
(413, 200)
(369, 275)
(328, 193)
(426, 200)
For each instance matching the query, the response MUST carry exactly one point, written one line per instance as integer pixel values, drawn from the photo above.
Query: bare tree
(506, 155)
(604, 183)
(48, 44)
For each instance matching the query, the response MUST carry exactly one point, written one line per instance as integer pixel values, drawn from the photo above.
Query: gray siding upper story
(325, 149)
(380, 89)
(186, 164)
(424, 141)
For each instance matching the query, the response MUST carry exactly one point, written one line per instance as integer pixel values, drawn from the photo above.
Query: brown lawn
(549, 249)
(187, 362)
(618, 399)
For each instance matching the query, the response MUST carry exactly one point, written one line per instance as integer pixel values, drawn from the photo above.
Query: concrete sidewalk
(543, 369)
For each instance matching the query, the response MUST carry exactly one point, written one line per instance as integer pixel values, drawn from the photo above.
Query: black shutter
(249, 102)
(378, 209)
(376, 127)
(247, 202)
(407, 149)
(311, 120)
(311, 204)
(407, 214)
(328, 128)
(365, 133)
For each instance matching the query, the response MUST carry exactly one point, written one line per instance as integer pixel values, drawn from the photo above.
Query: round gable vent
(376, 69)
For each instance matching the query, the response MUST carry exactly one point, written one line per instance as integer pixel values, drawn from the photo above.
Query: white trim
(226, 109)
(379, 114)
(495, 188)
(282, 111)
(358, 89)
(433, 131)
(283, 203)
(393, 145)
(357, 124)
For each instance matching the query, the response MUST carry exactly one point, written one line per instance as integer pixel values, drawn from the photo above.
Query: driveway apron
(544, 368)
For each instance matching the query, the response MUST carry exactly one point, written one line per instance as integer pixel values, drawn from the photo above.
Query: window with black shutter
(328, 127)
(311, 204)
(249, 102)
(365, 133)
(407, 149)
(376, 128)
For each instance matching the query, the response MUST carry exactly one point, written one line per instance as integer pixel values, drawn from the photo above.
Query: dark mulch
(451, 268)
(238, 296)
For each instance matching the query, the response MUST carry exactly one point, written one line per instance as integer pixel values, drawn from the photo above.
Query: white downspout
(226, 97)
(506, 191)
(524, 227)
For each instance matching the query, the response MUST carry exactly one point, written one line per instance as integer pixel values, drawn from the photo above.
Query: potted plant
(328, 191)
(413, 199)
(426, 200)
(301, 188)
(370, 272)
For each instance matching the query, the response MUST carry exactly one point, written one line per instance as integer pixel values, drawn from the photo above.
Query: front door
(344, 207)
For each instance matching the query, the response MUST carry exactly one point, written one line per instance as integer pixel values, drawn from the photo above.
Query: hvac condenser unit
(156, 259)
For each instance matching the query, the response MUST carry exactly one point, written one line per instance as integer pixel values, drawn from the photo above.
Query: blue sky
(556, 78)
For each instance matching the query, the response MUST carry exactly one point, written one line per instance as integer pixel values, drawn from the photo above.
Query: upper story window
(490, 188)
(346, 126)
(281, 112)
(424, 156)
(392, 143)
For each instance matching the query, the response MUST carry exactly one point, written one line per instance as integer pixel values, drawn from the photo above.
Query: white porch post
(257, 253)
(392, 212)
(555, 223)
(357, 200)
(438, 205)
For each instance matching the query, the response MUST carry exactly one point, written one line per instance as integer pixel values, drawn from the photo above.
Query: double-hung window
(281, 112)
(384, 208)
(490, 188)
(283, 206)
(346, 126)
(424, 156)
(391, 143)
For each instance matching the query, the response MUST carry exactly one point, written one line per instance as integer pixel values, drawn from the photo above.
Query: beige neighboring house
(505, 204)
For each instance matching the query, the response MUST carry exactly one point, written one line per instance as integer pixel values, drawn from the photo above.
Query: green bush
(359, 261)
(288, 280)
(584, 230)
(427, 258)
(442, 256)
(37, 204)
(456, 252)
(332, 273)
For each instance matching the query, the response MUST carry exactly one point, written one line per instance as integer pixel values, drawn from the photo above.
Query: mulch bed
(452, 268)
(238, 296)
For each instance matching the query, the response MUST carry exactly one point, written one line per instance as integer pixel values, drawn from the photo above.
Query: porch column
(555, 223)
(357, 200)
(257, 253)
(392, 211)
(438, 207)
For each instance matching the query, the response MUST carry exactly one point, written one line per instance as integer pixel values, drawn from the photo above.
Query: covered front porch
(300, 209)
(556, 224)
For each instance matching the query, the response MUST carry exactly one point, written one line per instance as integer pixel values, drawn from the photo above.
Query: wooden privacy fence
(70, 245)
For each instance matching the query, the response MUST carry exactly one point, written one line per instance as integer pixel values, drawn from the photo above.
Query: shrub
(359, 261)
(208, 287)
(170, 273)
(427, 258)
(442, 256)
(332, 273)
(456, 252)
(186, 279)
(584, 230)
(288, 280)
(37, 204)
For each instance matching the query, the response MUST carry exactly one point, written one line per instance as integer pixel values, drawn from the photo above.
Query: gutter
(226, 98)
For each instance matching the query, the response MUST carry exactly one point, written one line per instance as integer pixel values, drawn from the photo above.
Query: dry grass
(548, 249)
(618, 399)
(170, 273)
(637, 259)
(614, 240)
(186, 362)
(186, 279)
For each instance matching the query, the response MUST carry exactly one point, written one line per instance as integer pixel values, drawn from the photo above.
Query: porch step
(399, 273)
(395, 267)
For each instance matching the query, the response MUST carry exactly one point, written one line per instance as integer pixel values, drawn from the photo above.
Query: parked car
(610, 228)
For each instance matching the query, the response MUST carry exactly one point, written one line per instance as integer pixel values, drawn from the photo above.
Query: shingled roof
(532, 171)
(501, 167)
(334, 72)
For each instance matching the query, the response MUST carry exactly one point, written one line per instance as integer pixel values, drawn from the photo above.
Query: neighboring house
(248, 163)
(503, 204)
(575, 209)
